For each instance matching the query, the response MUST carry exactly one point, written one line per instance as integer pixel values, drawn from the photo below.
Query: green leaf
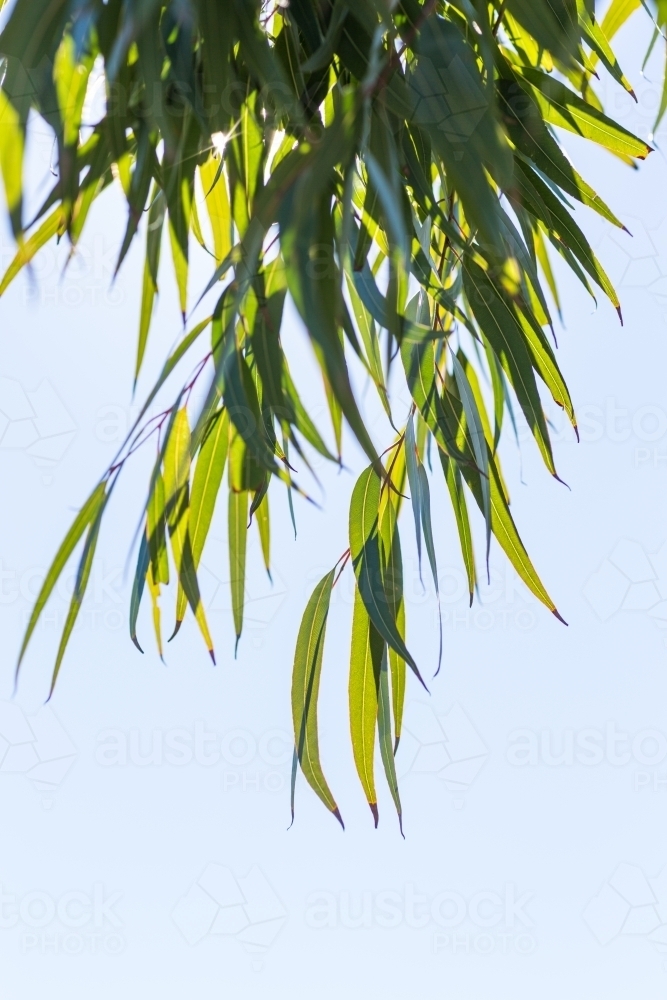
(531, 136)
(365, 551)
(84, 518)
(502, 524)
(264, 528)
(205, 488)
(539, 200)
(411, 461)
(176, 471)
(54, 224)
(238, 537)
(597, 40)
(562, 107)
(419, 365)
(156, 216)
(460, 508)
(617, 14)
(500, 327)
(385, 736)
(365, 658)
(392, 577)
(478, 439)
(11, 160)
(553, 24)
(143, 564)
(156, 526)
(306, 675)
(80, 585)
(206, 481)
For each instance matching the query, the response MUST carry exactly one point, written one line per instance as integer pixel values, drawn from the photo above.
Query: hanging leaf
(365, 551)
(238, 539)
(365, 658)
(306, 676)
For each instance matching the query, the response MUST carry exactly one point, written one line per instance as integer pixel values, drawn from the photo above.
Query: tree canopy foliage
(395, 168)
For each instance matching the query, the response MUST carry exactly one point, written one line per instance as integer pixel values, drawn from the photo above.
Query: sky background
(144, 848)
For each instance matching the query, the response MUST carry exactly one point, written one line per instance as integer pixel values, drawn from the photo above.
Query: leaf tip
(338, 816)
(179, 622)
(136, 643)
(560, 618)
(376, 815)
(620, 314)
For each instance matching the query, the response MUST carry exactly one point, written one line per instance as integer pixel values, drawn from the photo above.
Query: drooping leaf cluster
(396, 169)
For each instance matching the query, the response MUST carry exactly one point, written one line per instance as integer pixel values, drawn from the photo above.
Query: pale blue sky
(514, 878)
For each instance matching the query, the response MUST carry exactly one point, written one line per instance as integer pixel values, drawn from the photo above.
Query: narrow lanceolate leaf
(365, 551)
(154, 226)
(419, 365)
(176, 471)
(143, 564)
(411, 460)
(430, 547)
(477, 436)
(214, 183)
(460, 508)
(80, 585)
(386, 737)
(154, 591)
(392, 578)
(82, 521)
(306, 675)
(500, 328)
(502, 524)
(11, 160)
(53, 225)
(156, 529)
(264, 528)
(206, 481)
(561, 106)
(238, 537)
(365, 659)
(555, 218)
(205, 488)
